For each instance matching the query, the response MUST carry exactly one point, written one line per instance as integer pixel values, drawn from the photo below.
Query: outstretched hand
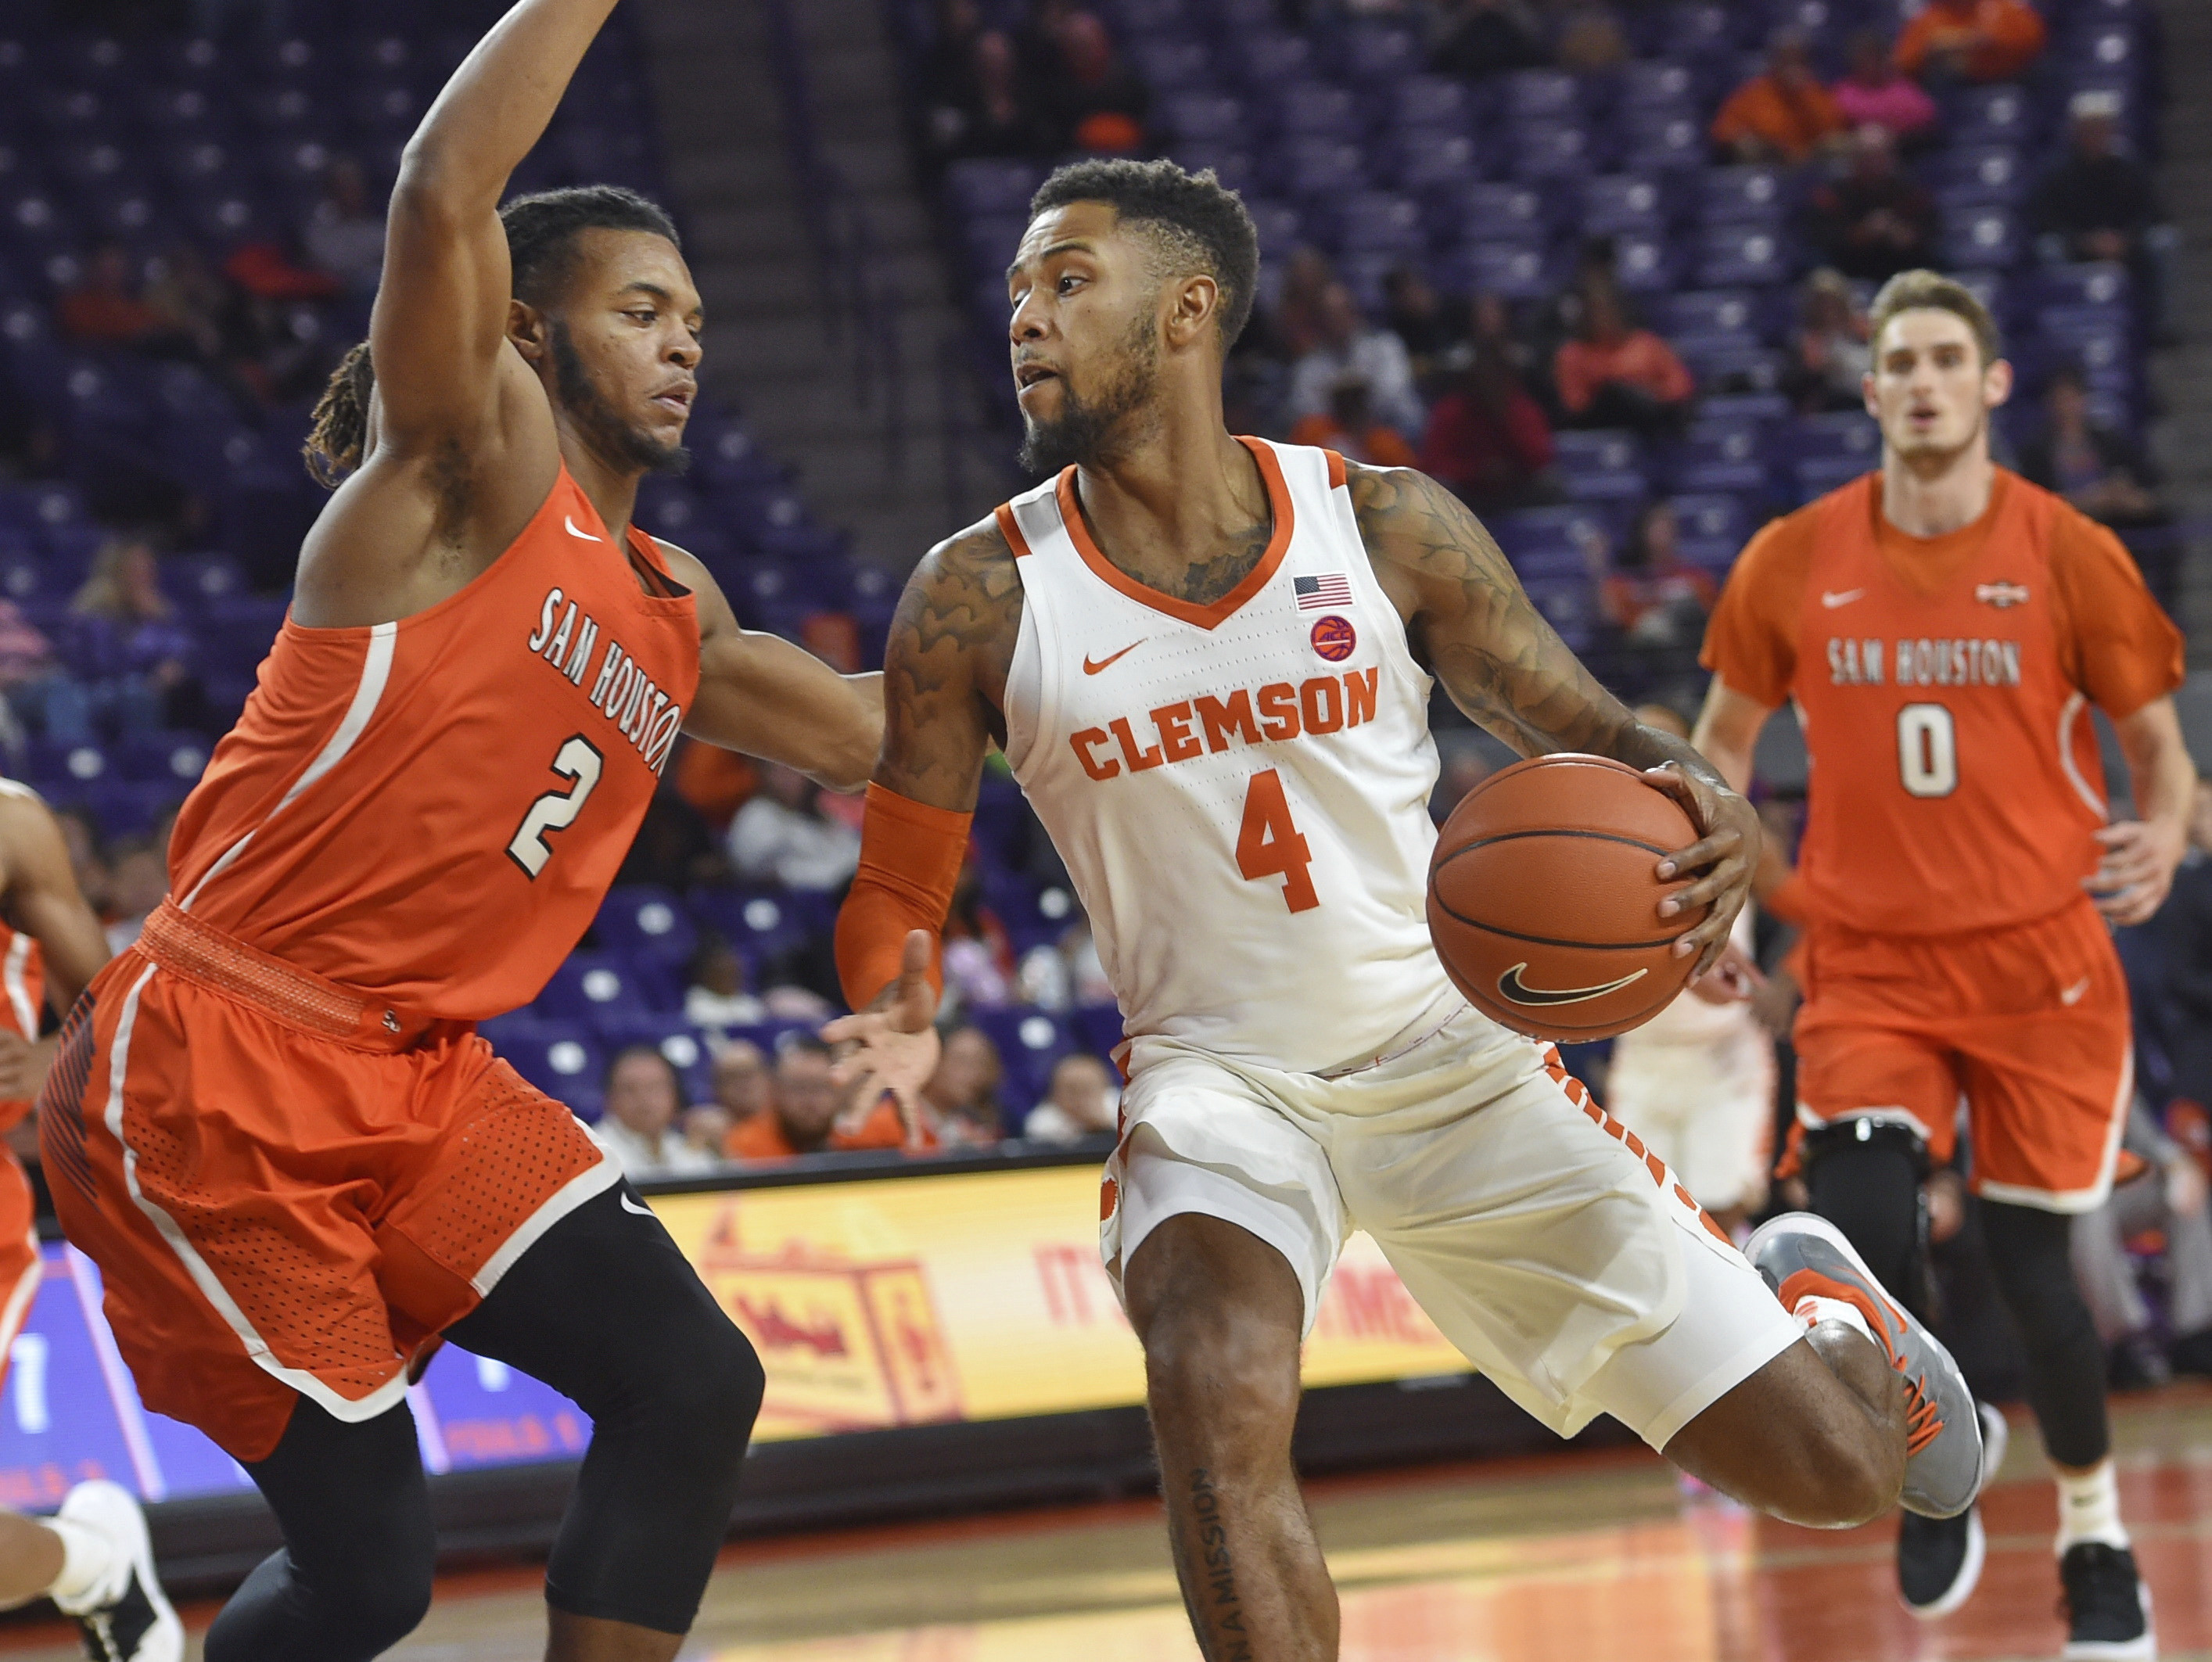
(1726, 854)
(2135, 869)
(893, 1047)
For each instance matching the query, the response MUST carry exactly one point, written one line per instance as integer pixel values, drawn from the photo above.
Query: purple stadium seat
(1511, 270)
(1706, 312)
(2090, 283)
(1205, 117)
(565, 1061)
(1816, 475)
(1434, 161)
(1743, 196)
(1029, 1043)
(1656, 84)
(1553, 151)
(1378, 221)
(591, 986)
(1644, 260)
(1984, 173)
(1992, 115)
(675, 1038)
(1269, 60)
(1230, 161)
(1379, 57)
(1846, 434)
(1319, 169)
(1542, 95)
(1170, 64)
(1988, 235)
(1531, 533)
(1715, 517)
(1313, 109)
(641, 921)
(1432, 101)
(175, 760)
(1663, 141)
(1701, 27)
(1494, 213)
(1570, 605)
(1746, 256)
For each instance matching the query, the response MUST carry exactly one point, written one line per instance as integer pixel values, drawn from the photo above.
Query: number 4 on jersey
(1269, 845)
(579, 761)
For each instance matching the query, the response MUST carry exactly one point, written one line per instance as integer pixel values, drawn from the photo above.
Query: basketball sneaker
(1939, 1560)
(2106, 1604)
(124, 1616)
(1803, 1256)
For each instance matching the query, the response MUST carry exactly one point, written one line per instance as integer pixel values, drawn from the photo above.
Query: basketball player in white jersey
(1208, 660)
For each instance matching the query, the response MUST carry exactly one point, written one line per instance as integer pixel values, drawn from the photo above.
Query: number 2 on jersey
(578, 761)
(1927, 751)
(1269, 845)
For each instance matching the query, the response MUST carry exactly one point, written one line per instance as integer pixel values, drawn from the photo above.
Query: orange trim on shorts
(181, 944)
(1579, 1095)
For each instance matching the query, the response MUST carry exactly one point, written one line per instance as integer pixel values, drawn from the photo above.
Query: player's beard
(598, 421)
(1928, 456)
(1088, 430)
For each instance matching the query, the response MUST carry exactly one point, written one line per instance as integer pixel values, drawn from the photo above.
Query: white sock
(2089, 1508)
(87, 1556)
(1813, 1309)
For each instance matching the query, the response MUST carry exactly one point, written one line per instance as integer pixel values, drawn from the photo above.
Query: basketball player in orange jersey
(273, 1124)
(1943, 627)
(93, 1559)
(1208, 661)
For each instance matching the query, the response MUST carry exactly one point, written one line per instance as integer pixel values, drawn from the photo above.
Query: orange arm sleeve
(910, 856)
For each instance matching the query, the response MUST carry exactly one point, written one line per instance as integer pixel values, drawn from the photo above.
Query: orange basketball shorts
(21, 1262)
(2027, 1027)
(288, 1188)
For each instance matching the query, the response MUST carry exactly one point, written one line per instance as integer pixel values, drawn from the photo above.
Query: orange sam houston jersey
(1944, 685)
(430, 811)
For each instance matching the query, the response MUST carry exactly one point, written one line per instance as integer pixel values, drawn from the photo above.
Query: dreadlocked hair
(541, 244)
(334, 444)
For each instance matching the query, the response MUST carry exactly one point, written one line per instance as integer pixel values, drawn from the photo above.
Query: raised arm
(1468, 619)
(760, 695)
(438, 332)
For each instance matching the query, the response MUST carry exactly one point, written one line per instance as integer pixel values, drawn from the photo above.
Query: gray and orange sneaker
(1803, 1256)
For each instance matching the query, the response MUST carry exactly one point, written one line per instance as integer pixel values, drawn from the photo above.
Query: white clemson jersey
(1240, 789)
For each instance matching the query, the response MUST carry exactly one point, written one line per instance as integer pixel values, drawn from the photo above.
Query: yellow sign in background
(975, 1296)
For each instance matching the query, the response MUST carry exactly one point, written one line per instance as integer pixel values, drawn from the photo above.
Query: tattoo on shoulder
(1470, 620)
(945, 669)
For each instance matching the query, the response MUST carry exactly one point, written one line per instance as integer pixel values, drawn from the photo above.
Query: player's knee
(709, 1384)
(386, 1596)
(1236, 1372)
(1853, 1479)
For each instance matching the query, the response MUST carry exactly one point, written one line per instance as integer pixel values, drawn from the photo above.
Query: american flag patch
(1316, 593)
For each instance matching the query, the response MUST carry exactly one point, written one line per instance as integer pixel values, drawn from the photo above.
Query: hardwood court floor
(1577, 1558)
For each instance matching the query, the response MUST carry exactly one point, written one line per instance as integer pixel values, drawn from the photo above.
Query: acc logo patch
(2001, 594)
(1335, 638)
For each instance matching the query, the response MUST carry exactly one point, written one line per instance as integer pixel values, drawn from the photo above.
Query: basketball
(1543, 900)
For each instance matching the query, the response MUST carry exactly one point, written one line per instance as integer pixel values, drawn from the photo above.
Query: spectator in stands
(1350, 346)
(345, 233)
(991, 110)
(2170, 1198)
(783, 836)
(801, 1113)
(1484, 37)
(1079, 1103)
(2098, 202)
(1349, 427)
(1092, 98)
(127, 648)
(1829, 354)
(1782, 114)
(1656, 599)
(198, 306)
(2101, 469)
(1971, 40)
(716, 996)
(1610, 374)
(959, 1102)
(1487, 439)
(137, 882)
(106, 308)
(41, 695)
(1066, 973)
(1428, 324)
(1873, 222)
(707, 1127)
(1300, 317)
(740, 1077)
(1875, 92)
(979, 955)
(1590, 40)
(637, 1125)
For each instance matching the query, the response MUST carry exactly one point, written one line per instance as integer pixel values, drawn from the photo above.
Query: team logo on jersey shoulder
(1334, 638)
(2001, 594)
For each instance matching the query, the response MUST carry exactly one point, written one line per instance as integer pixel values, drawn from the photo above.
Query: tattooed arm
(945, 669)
(1472, 625)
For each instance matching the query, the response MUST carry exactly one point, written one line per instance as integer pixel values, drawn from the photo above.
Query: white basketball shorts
(1562, 1260)
(1707, 1110)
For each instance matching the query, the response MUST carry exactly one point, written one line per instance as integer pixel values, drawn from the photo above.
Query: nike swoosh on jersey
(2073, 995)
(1513, 987)
(575, 530)
(628, 1204)
(1831, 599)
(1090, 667)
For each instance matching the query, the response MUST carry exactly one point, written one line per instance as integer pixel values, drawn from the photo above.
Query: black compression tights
(605, 1309)
(1871, 1191)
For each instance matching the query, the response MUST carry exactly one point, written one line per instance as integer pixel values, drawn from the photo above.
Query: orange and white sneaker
(1812, 1268)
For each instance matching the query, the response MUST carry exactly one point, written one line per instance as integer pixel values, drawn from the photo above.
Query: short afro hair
(542, 232)
(1197, 219)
